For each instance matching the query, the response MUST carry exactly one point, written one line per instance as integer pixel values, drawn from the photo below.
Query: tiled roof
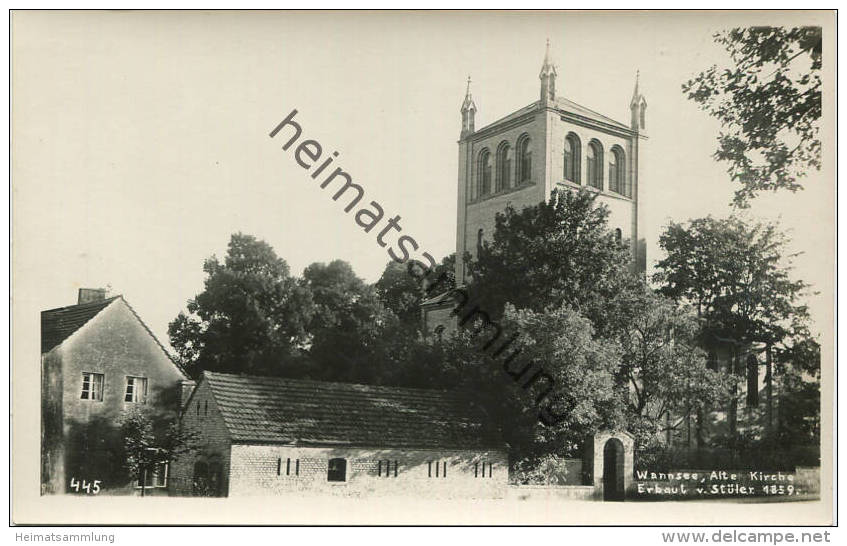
(58, 324)
(570, 106)
(561, 104)
(299, 412)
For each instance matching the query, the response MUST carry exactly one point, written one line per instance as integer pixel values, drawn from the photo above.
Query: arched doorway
(613, 470)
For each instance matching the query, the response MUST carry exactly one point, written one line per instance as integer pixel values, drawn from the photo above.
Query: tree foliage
(769, 105)
(402, 293)
(251, 316)
(147, 441)
(558, 253)
(348, 324)
(737, 275)
(662, 374)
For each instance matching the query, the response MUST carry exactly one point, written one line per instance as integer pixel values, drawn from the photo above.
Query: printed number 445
(90, 488)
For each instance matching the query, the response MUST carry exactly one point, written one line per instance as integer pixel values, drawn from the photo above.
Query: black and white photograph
(423, 267)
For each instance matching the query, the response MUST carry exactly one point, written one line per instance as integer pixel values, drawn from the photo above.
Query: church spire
(468, 112)
(638, 106)
(548, 78)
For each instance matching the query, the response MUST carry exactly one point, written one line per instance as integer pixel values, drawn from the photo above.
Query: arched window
(618, 235)
(504, 166)
(617, 171)
(595, 165)
(572, 157)
(484, 173)
(478, 242)
(524, 160)
(337, 470)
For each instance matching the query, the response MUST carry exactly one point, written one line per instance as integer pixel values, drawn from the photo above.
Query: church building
(520, 159)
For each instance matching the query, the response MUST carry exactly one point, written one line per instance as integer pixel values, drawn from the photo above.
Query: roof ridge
(210, 374)
(86, 304)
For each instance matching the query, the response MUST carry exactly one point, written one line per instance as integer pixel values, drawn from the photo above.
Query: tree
(556, 361)
(348, 323)
(737, 275)
(251, 316)
(558, 253)
(662, 374)
(769, 104)
(148, 441)
(401, 292)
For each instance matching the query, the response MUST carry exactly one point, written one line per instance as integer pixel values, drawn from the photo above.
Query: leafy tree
(558, 253)
(148, 442)
(737, 275)
(800, 403)
(663, 374)
(556, 364)
(250, 318)
(769, 104)
(402, 293)
(347, 326)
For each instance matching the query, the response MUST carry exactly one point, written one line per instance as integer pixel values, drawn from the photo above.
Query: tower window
(595, 165)
(337, 470)
(484, 173)
(618, 235)
(617, 172)
(524, 160)
(572, 157)
(479, 242)
(752, 381)
(504, 166)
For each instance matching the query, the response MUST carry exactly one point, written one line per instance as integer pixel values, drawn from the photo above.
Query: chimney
(90, 295)
(186, 387)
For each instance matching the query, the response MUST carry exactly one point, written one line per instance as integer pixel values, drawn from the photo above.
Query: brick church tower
(518, 160)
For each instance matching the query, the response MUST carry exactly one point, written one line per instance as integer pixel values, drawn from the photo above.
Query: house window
(337, 470)
(136, 390)
(595, 165)
(384, 469)
(572, 158)
(92, 386)
(504, 166)
(524, 160)
(206, 408)
(156, 476)
(617, 172)
(484, 173)
(440, 469)
(288, 466)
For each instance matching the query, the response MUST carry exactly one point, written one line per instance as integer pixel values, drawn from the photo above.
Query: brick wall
(211, 444)
(273, 470)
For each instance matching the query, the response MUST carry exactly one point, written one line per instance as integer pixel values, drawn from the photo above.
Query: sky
(140, 140)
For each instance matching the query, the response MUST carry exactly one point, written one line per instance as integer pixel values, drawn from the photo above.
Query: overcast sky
(140, 140)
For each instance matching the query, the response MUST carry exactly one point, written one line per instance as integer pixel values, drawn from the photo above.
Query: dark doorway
(613, 471)
(337, 470)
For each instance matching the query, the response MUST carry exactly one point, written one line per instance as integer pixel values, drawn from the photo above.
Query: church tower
(520, 159)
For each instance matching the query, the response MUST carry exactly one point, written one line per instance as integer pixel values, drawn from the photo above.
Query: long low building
(269, 436)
